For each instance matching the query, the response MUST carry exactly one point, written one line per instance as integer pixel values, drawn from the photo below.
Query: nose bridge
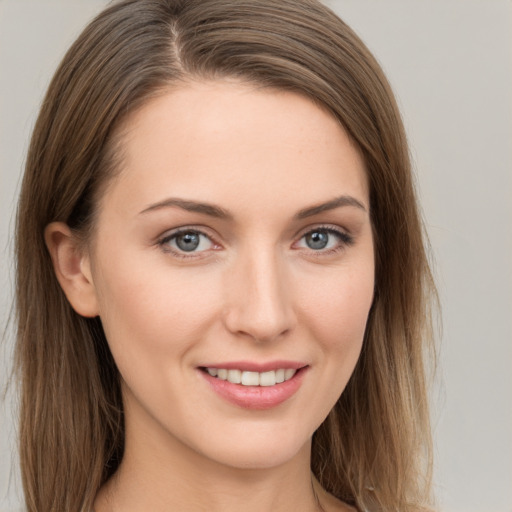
(259, 301)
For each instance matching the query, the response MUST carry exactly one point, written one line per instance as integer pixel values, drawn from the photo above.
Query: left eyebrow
(338, 202)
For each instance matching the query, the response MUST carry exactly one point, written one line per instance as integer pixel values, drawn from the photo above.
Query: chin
(258, 451)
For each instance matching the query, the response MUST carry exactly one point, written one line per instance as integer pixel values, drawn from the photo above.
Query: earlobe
(72, 268)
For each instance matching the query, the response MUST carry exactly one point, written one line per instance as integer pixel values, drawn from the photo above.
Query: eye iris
(317, 239)
(188, 241)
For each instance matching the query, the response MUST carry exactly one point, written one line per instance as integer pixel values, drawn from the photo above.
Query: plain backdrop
(450, 63)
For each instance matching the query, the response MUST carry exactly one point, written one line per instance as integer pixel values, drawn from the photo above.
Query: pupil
(317, 239)
(188, 241)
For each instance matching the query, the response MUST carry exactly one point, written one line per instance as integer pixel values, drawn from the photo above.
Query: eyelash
(164, 241)
(345, 240)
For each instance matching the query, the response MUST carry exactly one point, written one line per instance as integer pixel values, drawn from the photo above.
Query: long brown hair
(374, 448)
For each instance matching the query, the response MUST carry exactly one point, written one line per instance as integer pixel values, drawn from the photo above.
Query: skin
(254, 290)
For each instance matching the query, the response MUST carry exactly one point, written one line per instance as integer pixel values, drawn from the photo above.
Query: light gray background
(450, 63)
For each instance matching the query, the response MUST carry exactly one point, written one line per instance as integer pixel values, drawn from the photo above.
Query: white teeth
(268, 378)
(289, 373)
(245, 378)
(250, 378)
(235, 376)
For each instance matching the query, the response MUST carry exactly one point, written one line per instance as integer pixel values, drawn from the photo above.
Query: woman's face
(235, 244)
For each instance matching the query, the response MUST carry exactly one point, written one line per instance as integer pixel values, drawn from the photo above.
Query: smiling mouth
(247, 378)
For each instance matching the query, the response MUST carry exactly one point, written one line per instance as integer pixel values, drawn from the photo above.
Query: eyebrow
(220, 213)
(338, 202)
(191, 206)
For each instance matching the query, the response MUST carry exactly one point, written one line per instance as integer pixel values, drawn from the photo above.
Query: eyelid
(164, 239)
(346, 239)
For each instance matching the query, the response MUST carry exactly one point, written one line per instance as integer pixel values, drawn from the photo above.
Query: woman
(222, 288)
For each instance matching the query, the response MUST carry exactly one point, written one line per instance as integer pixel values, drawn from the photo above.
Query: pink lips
(256, 397)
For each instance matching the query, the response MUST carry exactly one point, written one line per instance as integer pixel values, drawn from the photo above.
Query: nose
(259, 302)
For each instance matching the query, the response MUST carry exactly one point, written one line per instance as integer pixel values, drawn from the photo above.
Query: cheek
(339, 309)
(148, 311)
(337, 314)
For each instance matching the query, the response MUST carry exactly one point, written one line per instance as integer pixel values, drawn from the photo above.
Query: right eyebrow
(191, 206)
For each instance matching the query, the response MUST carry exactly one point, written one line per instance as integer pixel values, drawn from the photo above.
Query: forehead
(238, 145)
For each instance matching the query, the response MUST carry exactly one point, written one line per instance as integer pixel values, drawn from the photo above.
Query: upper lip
(253, 366)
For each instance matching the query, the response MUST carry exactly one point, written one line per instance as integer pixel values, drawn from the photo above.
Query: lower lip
(256, 397)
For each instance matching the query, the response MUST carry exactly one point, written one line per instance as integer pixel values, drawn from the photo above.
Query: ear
(72, 268)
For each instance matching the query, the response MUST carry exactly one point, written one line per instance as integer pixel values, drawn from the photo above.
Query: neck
(159, 473)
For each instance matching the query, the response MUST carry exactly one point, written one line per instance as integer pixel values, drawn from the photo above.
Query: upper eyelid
(326, 227)
(184, 229)
(178, 232)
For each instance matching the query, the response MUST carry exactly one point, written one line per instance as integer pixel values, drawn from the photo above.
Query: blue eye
(324, 239)
(317, 240)
(187, 241)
